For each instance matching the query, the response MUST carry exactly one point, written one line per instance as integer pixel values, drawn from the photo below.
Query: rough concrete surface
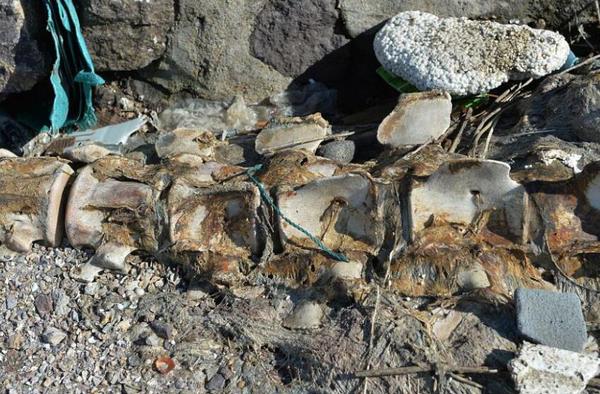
(551, 318)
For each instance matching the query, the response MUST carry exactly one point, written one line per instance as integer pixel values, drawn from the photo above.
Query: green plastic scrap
(395, 81)
(73, 74)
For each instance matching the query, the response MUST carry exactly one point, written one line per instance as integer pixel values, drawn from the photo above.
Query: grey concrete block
(551, 318)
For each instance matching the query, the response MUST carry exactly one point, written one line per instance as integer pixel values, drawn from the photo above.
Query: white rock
(543, 369)
(306, 315)
(417, 119)
(463, 57)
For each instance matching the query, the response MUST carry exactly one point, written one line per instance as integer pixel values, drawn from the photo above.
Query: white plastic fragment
(462, 56)
(112, 136)
(542, 369)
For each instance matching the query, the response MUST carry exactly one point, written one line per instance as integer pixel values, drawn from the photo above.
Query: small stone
(163, 330)
(306, 315)
(15, 341)
(542, 369)
(551, 318)
(216, 383)
(53, 336)
(43, 304)
(153, 340)
(198, 291)
(91, 289)
(418, 118)
(340, 151)
(86, 272)
(462, 56)
(473, 278)
(11, 301)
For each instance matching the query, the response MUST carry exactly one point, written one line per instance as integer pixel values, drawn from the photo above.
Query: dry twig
(371, 336)
(383, 372)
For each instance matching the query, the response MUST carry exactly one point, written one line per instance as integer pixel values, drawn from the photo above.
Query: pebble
(53, 336)
(551, 318)
(43, 304)
(91, 289)
(216, 383)
(161, 329)
(340, 151)
(11, 301)
(473, 278)
(306, 315)
(153, 340)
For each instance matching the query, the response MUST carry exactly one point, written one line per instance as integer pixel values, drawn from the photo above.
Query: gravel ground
(116, 334)
(62, 335)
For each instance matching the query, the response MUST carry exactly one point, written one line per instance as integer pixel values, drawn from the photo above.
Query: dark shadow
(351, 69)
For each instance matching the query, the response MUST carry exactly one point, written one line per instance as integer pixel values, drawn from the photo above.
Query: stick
(327, 138)
(489, 137)
(460, 131)
(377, 373)
(371, 335)
(465, 380)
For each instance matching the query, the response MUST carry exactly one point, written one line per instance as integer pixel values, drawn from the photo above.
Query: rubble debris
(465, 57)
(551, 318)
(544, 369)
(32, 193)
(340, 151)
(418, 118)
(293, 133)
(306, 315)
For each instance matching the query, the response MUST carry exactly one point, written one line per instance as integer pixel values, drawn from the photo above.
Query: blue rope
(265, 196)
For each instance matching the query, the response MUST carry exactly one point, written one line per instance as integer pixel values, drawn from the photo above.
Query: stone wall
(217, 48)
